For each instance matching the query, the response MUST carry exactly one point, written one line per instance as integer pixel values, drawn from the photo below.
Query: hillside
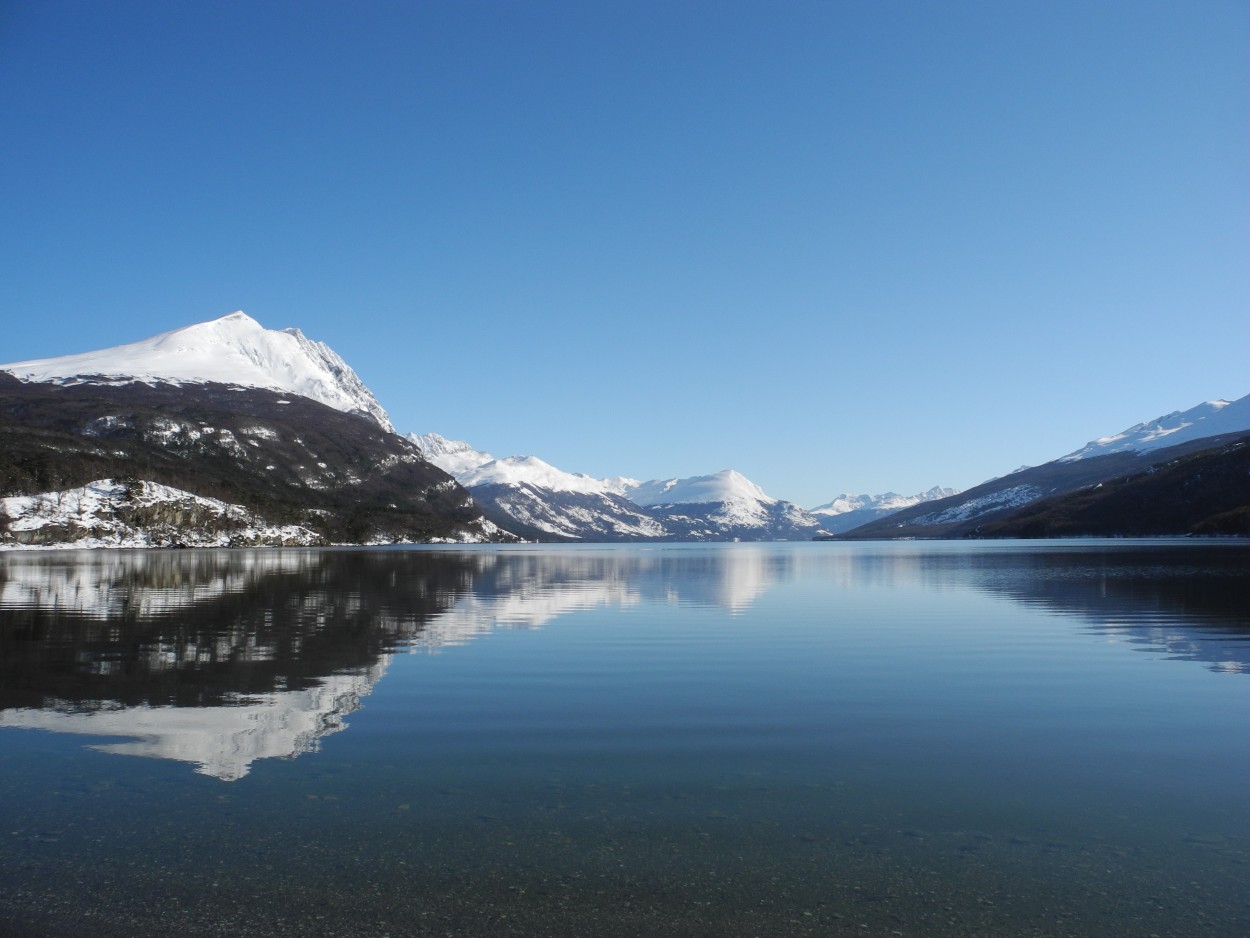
(1059, 498)
(1202, 493)
(288, 460)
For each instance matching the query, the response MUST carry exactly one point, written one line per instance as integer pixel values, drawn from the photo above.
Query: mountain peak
(724, 486)
(234, 349)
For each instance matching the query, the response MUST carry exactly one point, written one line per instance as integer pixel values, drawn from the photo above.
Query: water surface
(1009, 738)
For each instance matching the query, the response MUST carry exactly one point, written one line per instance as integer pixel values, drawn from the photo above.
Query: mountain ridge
(849, 511)
(986, 509)
(535, 499)
(259, 430)
(1208, 419)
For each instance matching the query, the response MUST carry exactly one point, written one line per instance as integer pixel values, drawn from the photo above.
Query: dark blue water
(1009, 738)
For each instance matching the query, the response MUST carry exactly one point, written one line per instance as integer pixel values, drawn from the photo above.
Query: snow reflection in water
(662, 740)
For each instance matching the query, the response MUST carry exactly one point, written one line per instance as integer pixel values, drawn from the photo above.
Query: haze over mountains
(227, 433)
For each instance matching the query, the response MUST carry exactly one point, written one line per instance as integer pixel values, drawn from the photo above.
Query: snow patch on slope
(573, 514)
(233, 350)
(95, 515)
(1014, 497)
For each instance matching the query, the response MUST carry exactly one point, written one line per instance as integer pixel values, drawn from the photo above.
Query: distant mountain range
(847, 511)
(1184, 473)
(535, 499)
(227, 433)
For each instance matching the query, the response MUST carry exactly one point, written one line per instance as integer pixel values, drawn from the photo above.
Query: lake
(917, 738)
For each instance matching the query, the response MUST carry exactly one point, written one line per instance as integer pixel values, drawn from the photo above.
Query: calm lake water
(919, 739)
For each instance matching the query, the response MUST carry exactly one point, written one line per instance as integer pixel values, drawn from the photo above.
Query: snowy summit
(234, 350)
(728, 485)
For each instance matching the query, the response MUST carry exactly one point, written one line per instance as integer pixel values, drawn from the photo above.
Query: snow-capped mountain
(533, 498)
(726, 486)
(472, 467)
(890, 501)
(234, 350)
(723, 504)
(849, 511)
(1173, 447)
(222, 432)
(1210, 418)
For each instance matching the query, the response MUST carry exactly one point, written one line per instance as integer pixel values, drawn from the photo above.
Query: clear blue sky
(834, 245)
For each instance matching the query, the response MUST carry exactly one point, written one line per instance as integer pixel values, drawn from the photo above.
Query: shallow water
(1007, 738)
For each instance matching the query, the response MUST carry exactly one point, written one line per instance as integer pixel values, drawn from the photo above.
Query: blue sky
(838, 246)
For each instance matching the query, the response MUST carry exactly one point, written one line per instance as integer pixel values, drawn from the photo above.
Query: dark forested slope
(290, 459)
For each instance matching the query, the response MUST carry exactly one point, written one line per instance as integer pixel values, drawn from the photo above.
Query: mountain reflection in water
(220, 658)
